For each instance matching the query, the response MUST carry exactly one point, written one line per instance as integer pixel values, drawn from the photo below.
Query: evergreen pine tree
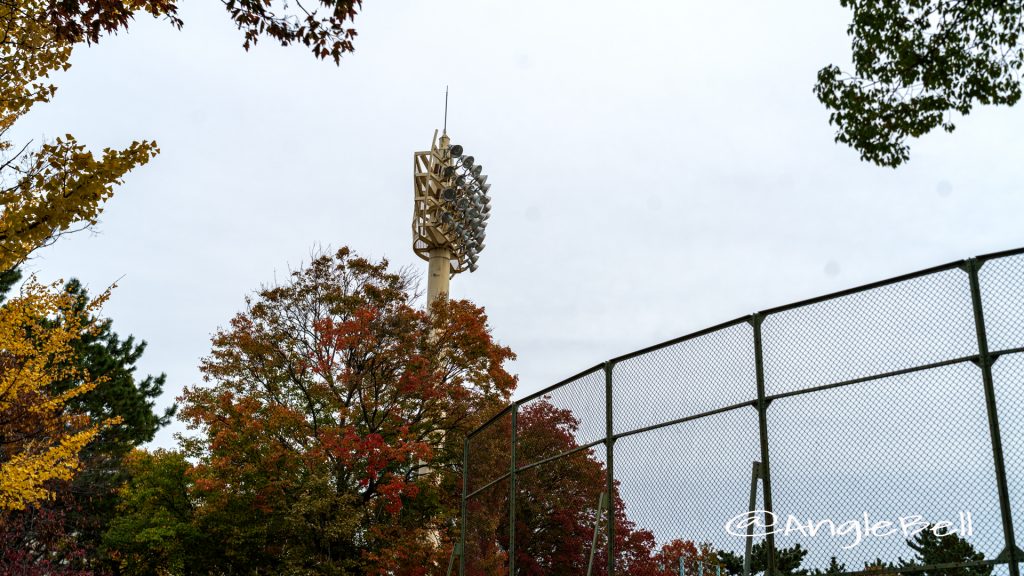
(787, 560)
(8, 278)
(834, 567)
(932, 549)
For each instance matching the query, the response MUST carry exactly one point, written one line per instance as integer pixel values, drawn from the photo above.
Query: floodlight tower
(451, 207)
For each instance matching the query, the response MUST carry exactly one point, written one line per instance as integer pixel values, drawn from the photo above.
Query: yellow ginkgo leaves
(59, 186)
(39, 438)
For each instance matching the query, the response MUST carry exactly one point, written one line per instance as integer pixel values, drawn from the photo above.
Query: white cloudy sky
(657, 167)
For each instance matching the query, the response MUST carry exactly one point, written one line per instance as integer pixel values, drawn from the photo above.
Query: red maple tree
(332, 421)
(556, 505)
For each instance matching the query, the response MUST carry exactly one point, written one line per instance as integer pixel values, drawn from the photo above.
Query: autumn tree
(40, 439)
(44, 192)
(556, 504)
(85, 504)
(58, 186)
(690, 553)
(155, 531)
(331, 419)
(105, 355)
(40, 545)
(556, 507)
(323, 26)
(916, 63)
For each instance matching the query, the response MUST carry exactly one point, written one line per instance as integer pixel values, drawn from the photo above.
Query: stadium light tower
(450, 212)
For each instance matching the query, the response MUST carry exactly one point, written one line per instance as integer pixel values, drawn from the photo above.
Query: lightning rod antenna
(445, 131)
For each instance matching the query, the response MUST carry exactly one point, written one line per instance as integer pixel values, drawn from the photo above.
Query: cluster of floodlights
(465, 204)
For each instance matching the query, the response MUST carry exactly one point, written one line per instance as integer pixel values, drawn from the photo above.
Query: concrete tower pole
(451, 206)
(439, 274)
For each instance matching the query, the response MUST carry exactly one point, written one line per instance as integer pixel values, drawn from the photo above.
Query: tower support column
(438, 274)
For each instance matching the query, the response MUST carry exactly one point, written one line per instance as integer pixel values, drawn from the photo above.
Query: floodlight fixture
(450, 211)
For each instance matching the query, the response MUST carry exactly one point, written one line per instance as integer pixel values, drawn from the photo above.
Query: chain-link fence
(876, 430)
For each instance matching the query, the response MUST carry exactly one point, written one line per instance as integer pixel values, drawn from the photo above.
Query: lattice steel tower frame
(451, 207)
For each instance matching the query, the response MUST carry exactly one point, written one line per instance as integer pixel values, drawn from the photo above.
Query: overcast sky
(656, 169)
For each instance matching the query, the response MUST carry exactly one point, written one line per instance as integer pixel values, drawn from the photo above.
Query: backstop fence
(874, 430)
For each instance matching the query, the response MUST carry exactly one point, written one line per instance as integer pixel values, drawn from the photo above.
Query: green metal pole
(512, 496)
(762, 417)
(597, 531)
(609, 443)
(755, 473)
(465, 491)
(985, 361)
(451, 559)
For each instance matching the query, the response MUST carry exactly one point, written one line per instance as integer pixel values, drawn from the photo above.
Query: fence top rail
(558, 385)
(490, 421)
(893, 280)
(864, 287)
(749, 318)
(1001, 254)
(684, 338)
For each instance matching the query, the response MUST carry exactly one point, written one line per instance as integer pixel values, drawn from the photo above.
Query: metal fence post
(609, 443)
(465, 487)
(512, 495)
(597, 530)
(755, 473)
(762, 417)
(985, 360)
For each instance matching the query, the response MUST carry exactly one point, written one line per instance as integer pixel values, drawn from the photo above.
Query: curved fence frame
(916, 324)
